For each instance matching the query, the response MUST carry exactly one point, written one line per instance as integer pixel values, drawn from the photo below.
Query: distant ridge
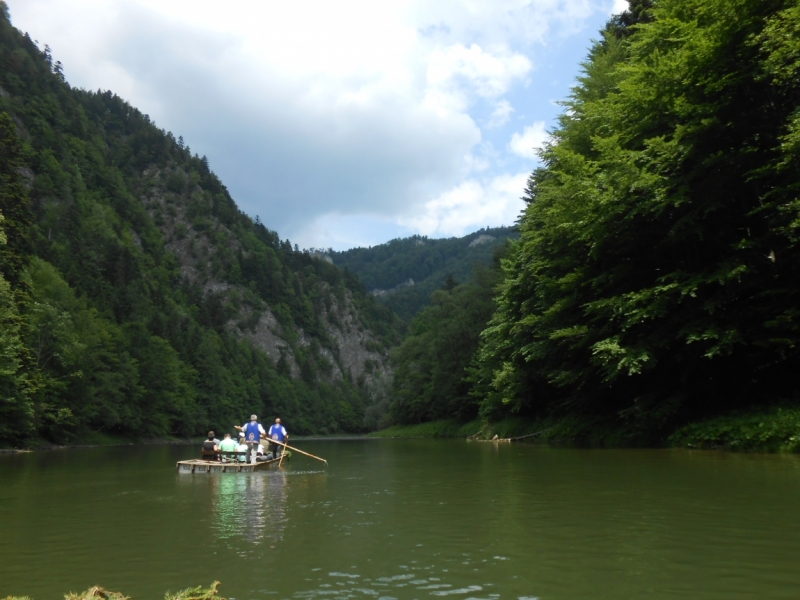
(405, 271)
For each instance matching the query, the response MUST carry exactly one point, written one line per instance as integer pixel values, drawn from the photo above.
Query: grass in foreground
(98, 593)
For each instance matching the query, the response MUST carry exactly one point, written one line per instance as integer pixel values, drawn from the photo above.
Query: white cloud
(500, 115)
(470, 205)
(619, 6)
(527, 143)
(515, 22)
(315, 108)
(489, 74)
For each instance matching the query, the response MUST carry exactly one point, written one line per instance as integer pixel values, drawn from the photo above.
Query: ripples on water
(405, 520)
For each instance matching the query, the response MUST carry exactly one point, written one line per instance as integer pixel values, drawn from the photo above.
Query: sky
(346, 123)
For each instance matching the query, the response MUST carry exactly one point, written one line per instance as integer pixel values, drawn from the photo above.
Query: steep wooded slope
(143, 301)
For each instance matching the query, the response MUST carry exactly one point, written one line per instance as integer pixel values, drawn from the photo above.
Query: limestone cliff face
(352, 352)
(347, 349)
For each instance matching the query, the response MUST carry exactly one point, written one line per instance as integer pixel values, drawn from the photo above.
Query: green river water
(405, 519)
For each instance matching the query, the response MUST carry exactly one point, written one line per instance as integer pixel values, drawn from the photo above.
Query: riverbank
(477, 429)
(773, 429)
(96, 439)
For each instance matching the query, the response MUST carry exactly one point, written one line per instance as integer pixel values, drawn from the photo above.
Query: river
(405, 519)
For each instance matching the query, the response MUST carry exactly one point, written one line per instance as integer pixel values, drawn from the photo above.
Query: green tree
(13, 203)
(431, 365)
(654, 276)
(16, 407)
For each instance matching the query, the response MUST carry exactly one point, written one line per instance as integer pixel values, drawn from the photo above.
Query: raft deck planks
(207, 466)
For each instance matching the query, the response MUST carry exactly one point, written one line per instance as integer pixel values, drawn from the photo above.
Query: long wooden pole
(519, 437)
(300, 451)
(280, 462)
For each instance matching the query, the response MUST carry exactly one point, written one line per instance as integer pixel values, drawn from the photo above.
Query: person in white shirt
(262, 455)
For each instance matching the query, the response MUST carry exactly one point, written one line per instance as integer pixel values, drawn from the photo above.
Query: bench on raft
(211, 462)
(221, 455)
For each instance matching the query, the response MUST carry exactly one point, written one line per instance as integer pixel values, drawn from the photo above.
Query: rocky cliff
(200, 242)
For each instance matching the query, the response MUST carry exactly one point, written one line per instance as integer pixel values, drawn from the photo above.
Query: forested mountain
(136, 299)
(655, 278)
(653, 282)
(405, 272)
(432, 377)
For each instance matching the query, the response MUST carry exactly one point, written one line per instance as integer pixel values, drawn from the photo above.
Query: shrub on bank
(775, 430)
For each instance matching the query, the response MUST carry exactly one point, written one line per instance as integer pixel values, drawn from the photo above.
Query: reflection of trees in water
(251, 506)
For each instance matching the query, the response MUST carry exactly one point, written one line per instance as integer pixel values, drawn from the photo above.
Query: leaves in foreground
(96, 592)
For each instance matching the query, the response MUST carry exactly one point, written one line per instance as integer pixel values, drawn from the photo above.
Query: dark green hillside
(656, 278)
(388, 269)
(653, 294)
(137, 300)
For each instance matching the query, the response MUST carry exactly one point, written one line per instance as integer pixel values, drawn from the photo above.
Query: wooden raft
(207, 466)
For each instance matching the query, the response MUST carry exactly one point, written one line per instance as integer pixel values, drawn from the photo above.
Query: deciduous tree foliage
(16, 407)
(656, 276)
(431, 379)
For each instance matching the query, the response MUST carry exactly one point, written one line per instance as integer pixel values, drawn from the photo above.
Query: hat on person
(241, 434)
(253, 418)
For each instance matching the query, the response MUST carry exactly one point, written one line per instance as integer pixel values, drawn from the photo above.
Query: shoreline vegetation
(770, 429)
(96, 592)
(100, 440)
(773, 429)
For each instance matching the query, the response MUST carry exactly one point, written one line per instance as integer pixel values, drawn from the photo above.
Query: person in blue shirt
(253, 431)
(277, 433)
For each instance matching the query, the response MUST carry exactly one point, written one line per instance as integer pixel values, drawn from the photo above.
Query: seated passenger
(261, 456)
(242, 447)
(209, 447)
(228, 445)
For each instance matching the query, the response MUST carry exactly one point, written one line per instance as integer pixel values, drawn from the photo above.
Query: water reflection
(416, 580)
(250, 506)
(407, 519)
